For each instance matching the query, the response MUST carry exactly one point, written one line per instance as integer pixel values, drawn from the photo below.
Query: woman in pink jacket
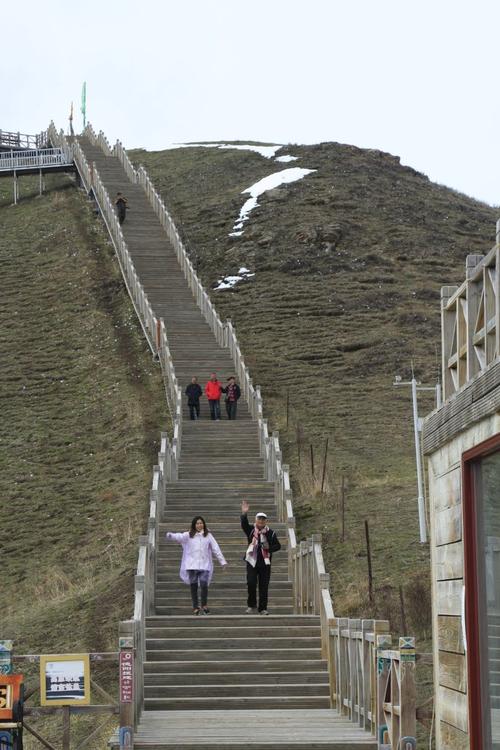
(197, 566)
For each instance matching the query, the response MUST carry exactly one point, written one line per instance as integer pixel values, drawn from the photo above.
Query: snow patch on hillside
(272, 181)
(267, 151)
(228, 282)
(286, 158)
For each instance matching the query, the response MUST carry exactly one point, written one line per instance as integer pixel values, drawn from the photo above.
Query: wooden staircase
(227, 679)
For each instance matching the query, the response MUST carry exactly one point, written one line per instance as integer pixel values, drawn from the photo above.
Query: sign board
(126, 676)
(64, 680)
(5, 740)
(10, 692)
(5, 657)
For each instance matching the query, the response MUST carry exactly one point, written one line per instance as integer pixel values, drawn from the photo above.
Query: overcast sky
(417, 78)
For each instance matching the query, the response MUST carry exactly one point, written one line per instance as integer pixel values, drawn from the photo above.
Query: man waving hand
(262, 542)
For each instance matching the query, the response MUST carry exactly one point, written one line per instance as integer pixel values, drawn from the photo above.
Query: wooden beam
(40, 739)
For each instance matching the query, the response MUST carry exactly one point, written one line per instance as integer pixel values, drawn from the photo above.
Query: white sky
(417, 78)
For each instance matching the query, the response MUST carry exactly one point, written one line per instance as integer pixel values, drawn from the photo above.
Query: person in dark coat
(121, 207)
(193, 393)
(233, 393)
(262, 542)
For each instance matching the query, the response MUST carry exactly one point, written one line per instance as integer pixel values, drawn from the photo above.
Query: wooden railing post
(407, 693)
(383, 690)
(342, 666)
(353, 627)
(128, 692)
(365, 685)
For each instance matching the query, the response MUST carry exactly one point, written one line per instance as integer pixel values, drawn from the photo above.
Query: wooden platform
(260, 730)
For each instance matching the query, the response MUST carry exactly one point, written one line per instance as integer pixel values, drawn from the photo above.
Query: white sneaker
(251, 611)
(263, 612)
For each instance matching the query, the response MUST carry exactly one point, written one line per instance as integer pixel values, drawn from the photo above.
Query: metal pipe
(420, 481)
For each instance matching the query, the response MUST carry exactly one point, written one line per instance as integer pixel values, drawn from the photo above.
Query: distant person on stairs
(262, 542)
(213, 390)
(197, 566)
(194, 392)
(121, 207)
(233, 393)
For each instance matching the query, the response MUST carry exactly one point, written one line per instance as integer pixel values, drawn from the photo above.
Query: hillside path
(227, 679)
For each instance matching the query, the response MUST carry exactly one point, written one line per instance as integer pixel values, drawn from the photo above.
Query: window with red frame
(481, 518)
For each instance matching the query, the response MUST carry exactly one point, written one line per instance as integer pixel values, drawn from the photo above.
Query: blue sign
(125, 735)
(5, 659)
(5, 740)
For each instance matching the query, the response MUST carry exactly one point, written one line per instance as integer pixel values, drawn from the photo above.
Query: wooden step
(236, 678)
(237, 702)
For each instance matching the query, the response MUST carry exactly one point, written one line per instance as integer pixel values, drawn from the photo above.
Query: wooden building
(461, 441)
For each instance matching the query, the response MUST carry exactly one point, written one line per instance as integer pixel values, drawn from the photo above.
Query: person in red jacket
(213, 390)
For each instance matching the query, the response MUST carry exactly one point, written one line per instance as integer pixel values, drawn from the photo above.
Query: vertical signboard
(126, 676)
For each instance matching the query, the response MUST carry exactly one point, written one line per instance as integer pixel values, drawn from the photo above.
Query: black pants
(231, 407)
(122, 210)
(262, 575)
(201, 577)
(214, 408)
(194, 410)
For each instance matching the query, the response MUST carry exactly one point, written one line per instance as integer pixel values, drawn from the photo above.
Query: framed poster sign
(65, 680)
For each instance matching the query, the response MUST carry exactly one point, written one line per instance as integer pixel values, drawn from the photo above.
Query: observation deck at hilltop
(32, 161)
(16, 141)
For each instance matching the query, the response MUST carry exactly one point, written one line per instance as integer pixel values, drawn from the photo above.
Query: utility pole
(417, 427)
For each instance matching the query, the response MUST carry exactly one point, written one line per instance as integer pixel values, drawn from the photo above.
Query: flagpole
(84, 104)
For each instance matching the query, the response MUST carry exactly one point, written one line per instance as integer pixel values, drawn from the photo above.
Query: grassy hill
(348, 264)
(82, 411)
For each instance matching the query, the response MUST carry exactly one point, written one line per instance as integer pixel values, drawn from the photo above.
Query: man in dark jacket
(193, 392)
(233, 392)
(262, 542)
(121, 207)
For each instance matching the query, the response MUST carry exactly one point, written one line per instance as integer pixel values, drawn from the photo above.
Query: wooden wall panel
(450, 634)
(449, 597)
(453, 708)
(445, 490)
(448, 525)
(453, 671)
(449, 561)
(453, 738)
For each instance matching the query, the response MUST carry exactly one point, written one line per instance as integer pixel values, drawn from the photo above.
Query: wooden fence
(470, 320)
(356, 661)
(107, 709)
(45, 158)
(10, 140)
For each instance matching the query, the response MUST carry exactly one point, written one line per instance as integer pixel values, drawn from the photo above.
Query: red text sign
(126, 676)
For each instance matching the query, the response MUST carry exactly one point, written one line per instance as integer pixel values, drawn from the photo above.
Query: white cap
(261, 515)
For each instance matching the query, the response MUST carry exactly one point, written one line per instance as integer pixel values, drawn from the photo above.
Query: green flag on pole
(84, 103)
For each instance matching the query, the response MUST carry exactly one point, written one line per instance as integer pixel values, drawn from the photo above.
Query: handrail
(373, 685)
(18, 140)
(34, 158)
(122, 156)
(470, 321)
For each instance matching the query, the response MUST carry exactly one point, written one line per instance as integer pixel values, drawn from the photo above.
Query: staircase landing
(321, 729)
